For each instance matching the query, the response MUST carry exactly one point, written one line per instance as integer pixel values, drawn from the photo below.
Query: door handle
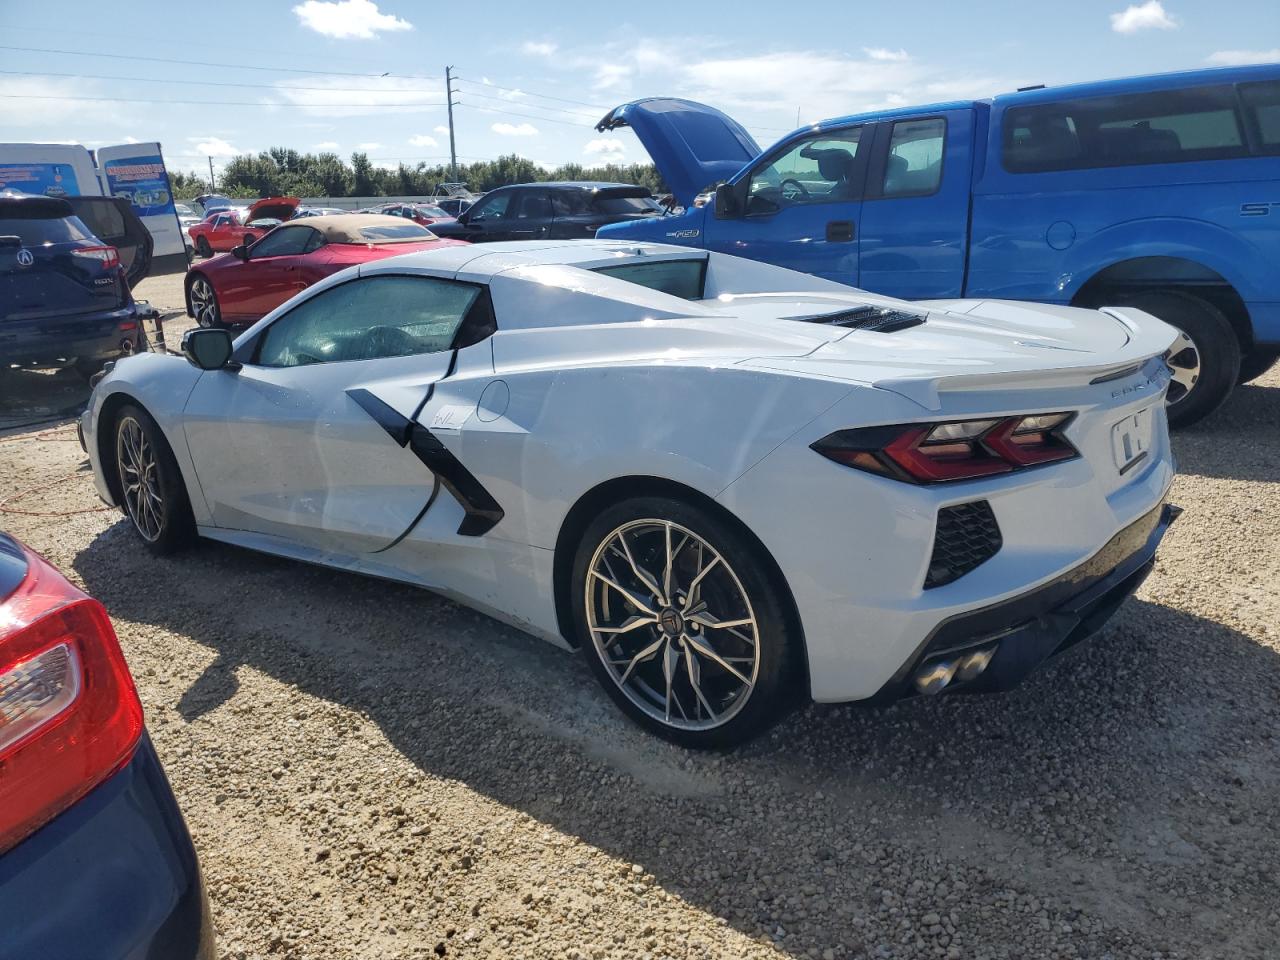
(840, 231)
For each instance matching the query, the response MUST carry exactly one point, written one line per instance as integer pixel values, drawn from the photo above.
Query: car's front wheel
(153, 495)
(203, 248)
(204, 302)
(682, 619)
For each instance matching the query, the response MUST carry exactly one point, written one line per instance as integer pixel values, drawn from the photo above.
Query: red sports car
(241, 287)
(423, 213)
(224, 229)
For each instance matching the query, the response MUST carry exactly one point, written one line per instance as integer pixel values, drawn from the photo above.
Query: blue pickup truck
(1161, 192)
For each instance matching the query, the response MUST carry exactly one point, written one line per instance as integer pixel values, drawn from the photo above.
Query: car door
(915, 212)
(800, 206)
(305, 442)
(491, 218)
(531, 215)
(270, 275)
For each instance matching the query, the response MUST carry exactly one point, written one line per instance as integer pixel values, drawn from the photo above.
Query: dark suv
(549, 211)
(64, 292)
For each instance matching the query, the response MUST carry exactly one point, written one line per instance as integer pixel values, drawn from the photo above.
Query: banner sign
(49, 179)
(143, 180)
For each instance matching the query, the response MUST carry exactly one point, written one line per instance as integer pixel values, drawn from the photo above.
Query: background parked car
(64, 294)
(557, 211)
(425, 214)
(228, 228)
(95, 859)
(1157, 192)
(240, 287)
(302, 212)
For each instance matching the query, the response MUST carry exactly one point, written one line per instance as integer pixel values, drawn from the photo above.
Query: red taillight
(69, 713)
(108, 256)
(954, 450)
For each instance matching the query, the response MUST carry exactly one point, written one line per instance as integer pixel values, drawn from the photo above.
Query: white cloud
(325, 146)
(422, 140)
(19, 107)
(369, 145)
(535, 48)
(1143, 16)
(880, 53)
(346, 19)
(215, 147)
(131, 140)
(603, 147)
(1237, 58)
(610, 75)
(360, 96)
(440, 129)
(515, 129)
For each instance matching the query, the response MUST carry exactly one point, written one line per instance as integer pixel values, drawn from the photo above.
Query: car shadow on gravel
(29, 398)
(1109, 784)
(1238, 442)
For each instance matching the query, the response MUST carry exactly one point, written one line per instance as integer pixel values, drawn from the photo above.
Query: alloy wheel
(1183, 360)
(672, 624)
(140, 479)
(204, 302)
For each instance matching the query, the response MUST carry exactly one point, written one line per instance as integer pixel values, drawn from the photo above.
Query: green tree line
(284, 172)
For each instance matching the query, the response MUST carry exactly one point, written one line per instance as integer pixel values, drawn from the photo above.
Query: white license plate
(1131, 440)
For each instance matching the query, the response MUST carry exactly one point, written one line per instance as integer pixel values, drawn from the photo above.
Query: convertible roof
(346, 227)
(481, 261)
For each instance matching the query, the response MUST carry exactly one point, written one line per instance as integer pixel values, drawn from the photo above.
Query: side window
(818, 170)
(494, 208)
(289, 241)
(1164, 126)
(369, 319)
(1262, 105)
(315, 242)
(534, 205)
(570, 203)
(220, 222)
(914, 164)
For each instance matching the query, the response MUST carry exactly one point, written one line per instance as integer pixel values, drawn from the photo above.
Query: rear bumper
(60, 340)
(1029, 629)
(114, 877)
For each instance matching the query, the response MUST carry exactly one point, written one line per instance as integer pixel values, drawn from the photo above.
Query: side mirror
(241, 252)
(208, 348)
(726, 203)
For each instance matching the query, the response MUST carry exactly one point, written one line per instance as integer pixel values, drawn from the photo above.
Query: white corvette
(725, 482)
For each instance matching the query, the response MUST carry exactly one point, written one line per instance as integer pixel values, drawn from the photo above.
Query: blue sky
(309, 74)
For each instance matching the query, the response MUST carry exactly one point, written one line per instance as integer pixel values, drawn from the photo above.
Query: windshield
(36, 231)
(395, 231)
(685, 279)
(429, 211)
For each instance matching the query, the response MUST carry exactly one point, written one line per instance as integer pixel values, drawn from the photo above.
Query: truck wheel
(1205, 360)
(1257, 362)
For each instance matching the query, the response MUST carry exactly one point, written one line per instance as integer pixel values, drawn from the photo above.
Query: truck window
(820, 169)
(1262, 105)
(914, 166)
(1166, 126)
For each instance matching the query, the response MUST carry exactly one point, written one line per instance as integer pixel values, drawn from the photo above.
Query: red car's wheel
(204, 303)
(202, 246)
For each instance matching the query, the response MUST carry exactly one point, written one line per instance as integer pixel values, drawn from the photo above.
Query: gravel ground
(371, 771)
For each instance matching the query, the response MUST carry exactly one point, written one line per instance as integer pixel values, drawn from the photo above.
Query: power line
(205, 63)
(206, 83)
(220, 103)
(531, 93)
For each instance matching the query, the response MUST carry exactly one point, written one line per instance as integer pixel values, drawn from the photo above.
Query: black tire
(203, 248)
(202, 301)
(1213, 340)
(174, 526)
(777, 640)
(1257, 362)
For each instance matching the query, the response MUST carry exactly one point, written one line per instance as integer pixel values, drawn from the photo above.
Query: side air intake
(875, 319)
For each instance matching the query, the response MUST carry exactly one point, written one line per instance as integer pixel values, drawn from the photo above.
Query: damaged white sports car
(727, 483)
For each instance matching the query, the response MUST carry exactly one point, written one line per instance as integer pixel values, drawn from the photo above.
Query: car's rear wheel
(1204, 360)
(1255, 363)
(683, 622)
(153, 495)
(204, 302)
(203, 248)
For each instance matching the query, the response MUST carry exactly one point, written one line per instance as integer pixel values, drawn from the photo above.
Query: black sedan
(549, 211)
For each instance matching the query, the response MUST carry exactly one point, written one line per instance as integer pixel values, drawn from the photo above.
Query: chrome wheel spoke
(641, 574)
(632, 623)
(139, 479)
(648, 653)
(706, 650)
(626, 594)
(695, 673)
(670, 663)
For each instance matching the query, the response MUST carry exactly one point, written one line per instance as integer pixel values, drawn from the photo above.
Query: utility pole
(453, 150)
(212, 186)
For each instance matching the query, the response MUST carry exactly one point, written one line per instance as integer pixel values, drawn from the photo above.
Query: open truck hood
(692, 145)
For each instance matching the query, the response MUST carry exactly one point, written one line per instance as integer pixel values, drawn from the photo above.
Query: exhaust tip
(972, 664)
(933, 676)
